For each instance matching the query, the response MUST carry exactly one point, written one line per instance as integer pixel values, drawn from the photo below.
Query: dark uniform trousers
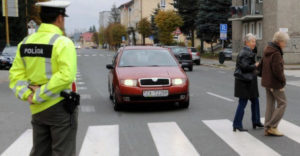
(54, 132)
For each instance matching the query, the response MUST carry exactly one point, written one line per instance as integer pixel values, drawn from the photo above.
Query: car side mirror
(109, 66)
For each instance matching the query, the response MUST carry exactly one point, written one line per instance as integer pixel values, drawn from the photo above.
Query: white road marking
(86, 55)
(294, 83)
(101, 140)
(294, 73)
(170, 140)
(22, 146)
(80, 83)
(289, 129)
(101, 55)
(85, 96)
(87, 109)
(81, 88)
(241, 142)
(79, 55)
(221, 97)
(94, 55)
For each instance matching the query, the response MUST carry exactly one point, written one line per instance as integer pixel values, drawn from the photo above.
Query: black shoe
(260, 125)
(240, 129)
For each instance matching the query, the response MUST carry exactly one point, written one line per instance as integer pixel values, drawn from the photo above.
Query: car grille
(154, 82)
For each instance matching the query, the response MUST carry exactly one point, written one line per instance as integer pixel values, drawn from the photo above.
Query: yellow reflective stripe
(49, 93)
(24, 42)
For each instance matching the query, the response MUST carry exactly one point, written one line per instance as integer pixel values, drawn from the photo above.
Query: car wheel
(110, 93)
(197, 62)
(185, 104)
(191, 68)
(116, 103)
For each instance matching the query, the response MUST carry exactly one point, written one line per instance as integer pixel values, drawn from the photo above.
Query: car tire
(184, 104)
(197, 62)
(116, 103)
(191, 68)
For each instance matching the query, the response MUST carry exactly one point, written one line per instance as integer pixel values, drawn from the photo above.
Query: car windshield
(179, 50)
(194, 50)
(146, 58)
(10, 51)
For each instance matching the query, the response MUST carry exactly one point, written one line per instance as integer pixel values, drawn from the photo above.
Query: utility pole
(7, 25)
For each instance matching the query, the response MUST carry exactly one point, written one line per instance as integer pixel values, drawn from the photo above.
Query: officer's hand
(29, 100)
(34, 88)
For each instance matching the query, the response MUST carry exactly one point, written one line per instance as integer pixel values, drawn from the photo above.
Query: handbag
(238, 74)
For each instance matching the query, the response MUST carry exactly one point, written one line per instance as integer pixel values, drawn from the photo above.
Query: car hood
(150, 72)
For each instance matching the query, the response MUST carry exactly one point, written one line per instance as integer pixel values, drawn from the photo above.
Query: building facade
(263, 18)
(104, 17)
(133, 11)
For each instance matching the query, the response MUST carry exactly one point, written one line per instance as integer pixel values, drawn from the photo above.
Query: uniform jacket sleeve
(17, 76)
(66, 74)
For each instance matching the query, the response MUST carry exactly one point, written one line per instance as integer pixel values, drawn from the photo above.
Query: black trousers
(54, 132)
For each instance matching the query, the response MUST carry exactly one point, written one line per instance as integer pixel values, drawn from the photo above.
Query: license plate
(156, 93)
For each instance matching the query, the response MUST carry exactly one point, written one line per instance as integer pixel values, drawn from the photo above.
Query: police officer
(44, 66)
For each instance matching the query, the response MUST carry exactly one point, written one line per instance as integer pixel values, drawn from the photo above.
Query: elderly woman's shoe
(260, 125)
(240, 129)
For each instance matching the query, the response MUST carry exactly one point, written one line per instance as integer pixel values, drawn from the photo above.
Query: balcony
(247, 12)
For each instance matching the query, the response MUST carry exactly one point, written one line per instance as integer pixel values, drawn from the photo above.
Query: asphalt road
(157, 130)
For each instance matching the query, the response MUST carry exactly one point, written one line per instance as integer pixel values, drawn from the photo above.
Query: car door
(111, 73)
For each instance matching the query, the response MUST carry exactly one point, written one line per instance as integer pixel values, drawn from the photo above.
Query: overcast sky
(85, 13)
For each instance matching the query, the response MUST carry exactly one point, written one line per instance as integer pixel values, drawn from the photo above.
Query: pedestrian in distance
(43, 74)
(246, 87)
(274, 81)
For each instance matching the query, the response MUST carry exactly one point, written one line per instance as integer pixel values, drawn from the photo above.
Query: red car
(147, 75)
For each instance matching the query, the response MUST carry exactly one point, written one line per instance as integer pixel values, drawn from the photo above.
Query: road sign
(12, 8)
(223, 31)
(223, 28)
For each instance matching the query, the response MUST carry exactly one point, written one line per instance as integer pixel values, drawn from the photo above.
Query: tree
(101, 35)
(188, 10)
(95, 38)
(115, 15)
(211, 14)
(153, 24)
(167, 22)
(114, 33)
(144, 28)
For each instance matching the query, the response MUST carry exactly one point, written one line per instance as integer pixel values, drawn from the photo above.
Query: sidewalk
(228, 64)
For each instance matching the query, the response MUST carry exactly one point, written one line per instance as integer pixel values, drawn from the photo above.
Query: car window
(193, 50)
(145, 58)
(179, 50)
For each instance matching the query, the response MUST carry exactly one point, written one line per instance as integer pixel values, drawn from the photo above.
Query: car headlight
(129, 82)
(178, 82)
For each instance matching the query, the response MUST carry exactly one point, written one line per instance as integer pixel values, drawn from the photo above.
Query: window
(259, 30)
(260, 1)
(245, 2)
(162, 3)
(245, 29)
(252, 28)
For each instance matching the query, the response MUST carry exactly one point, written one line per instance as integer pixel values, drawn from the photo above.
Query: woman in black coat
(246, 88)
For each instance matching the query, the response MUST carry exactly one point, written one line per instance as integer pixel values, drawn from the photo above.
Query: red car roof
(143, 47)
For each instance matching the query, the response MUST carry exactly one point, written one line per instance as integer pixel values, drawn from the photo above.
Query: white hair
(281, 37)
(249, 37)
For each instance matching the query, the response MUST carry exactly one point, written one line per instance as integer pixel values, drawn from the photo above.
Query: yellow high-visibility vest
(45, 58)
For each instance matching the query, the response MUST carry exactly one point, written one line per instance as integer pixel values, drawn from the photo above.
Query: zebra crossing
(295, 74)
(168, 138)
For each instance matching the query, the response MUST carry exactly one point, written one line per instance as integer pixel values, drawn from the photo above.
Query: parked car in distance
(228, 52)
(7, 57)
(145, 74)
(195, 55)
(183, 55)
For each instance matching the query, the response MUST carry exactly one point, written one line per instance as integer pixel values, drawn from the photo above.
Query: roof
(143, 47)
(88, 36)
(126, 4)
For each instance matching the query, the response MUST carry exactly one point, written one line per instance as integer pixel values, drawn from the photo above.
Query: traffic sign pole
(6, 23)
